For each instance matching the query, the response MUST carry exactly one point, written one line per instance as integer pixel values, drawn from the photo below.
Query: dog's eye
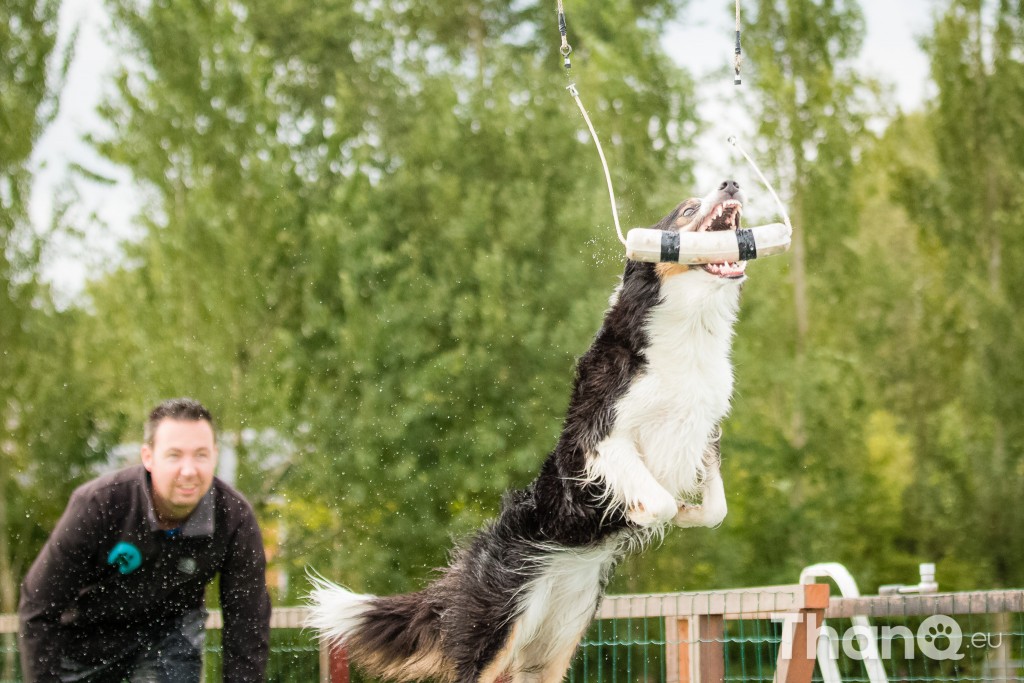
(689, 212)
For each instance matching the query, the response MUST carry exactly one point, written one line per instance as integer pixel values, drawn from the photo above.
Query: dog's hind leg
(563, 611)
(497, 670)
(630, 485)
(555, 671)
(552, 667)
(551, 672)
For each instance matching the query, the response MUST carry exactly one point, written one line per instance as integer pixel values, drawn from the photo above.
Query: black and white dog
(638, 446)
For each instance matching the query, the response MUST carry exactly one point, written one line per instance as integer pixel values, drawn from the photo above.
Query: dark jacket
(109, 578)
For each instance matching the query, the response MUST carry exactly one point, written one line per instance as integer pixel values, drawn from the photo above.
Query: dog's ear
(683, 218)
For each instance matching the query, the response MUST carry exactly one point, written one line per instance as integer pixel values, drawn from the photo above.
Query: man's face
(180, 463)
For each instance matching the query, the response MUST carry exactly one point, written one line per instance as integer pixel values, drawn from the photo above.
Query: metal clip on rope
(738, 58)
(565, 50)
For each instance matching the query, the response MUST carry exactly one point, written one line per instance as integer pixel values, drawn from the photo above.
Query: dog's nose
(730, 187)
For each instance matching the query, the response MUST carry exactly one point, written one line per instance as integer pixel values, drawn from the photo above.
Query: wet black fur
(471, 607)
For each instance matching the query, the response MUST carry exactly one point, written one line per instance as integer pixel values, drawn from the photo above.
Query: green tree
(800, 434)
(810, 429)
(966, 206)
(27, 104)
(49, 438)
(380, 234)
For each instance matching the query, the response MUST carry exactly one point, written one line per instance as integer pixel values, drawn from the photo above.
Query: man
(118, 590)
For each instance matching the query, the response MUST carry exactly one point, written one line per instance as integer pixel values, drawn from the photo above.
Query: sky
(702, 42)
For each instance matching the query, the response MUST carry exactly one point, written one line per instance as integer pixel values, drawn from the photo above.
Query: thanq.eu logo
(938, 637)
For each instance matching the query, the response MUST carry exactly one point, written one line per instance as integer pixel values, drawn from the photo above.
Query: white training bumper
(720, 246)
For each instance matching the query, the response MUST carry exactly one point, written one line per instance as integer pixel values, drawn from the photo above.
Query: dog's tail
(395, 637)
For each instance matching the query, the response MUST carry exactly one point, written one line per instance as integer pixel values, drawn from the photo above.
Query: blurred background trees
(375, 238)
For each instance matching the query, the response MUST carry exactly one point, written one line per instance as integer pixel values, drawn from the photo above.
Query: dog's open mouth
(724, 216)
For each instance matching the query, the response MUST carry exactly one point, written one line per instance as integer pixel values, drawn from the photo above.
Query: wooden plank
(711, 648)
(684, 631)
(816, 596)
(280, 617)
(8, 623)
(288, 617)
(325, 662)
(633, 607)
(678, 643)
(333, 664)
(977, 602)
(798, 651)
(737, 603)
(339, 665)
(671, 650)
(799, 648)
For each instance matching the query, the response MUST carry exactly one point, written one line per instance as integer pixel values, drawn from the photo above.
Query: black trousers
(175, 657)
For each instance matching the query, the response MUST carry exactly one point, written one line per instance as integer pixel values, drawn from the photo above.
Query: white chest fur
(670, 411)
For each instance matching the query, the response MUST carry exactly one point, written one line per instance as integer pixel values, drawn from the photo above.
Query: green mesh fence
(10, 667)
(978, 646)
(294, 656)
(751, 649)
(973, 647)
(651, 649)
(630, 649)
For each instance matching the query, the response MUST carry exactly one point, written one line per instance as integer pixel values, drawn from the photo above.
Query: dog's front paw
(699, 515)
(654, 508)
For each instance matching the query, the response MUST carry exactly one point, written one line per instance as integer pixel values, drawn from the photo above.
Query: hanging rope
(782, 209)
(604, 163)
(565, 51)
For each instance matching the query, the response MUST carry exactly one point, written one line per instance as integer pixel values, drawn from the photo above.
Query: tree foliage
(363, 227)
(376, 237)
(965, 205)
(50, 431)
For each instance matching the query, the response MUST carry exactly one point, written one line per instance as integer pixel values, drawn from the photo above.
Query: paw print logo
(940, 637)
(938, 631)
